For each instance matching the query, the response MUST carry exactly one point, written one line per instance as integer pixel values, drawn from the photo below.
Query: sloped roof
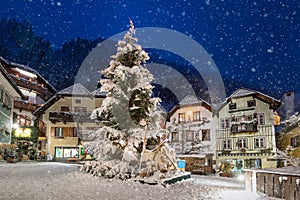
(11, 81)
(244, 92)
(99, 93)
(28, 69)
(74, 90)
(190, 100)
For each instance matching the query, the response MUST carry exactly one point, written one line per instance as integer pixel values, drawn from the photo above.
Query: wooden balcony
(22, 105)
(243, 127)
(65, 117)
(43, 92)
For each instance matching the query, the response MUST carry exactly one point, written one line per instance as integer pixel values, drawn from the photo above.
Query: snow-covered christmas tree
(129, 142)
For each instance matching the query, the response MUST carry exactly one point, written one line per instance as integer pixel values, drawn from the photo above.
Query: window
(260, 142)
(196, 116)
(189, 136)
(59, 132)
(66, 152)
(7, 101)
(232, 106)
(80, 109)
(175, 137)
(226, 144)
(78, 101)
(242, 143)
(261, 118)
(251, 103)
(225, 123)
(295, 141)
(181, 117)
(206, 135)
(23, 120)
(65, 108)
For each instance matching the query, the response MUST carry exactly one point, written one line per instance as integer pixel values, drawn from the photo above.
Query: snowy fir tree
(129, 144)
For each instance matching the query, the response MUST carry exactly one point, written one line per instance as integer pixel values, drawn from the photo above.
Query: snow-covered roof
(98, 93)
(28, 69)
(76, 89)
(190, 100)
(11, 81)
(244, 92)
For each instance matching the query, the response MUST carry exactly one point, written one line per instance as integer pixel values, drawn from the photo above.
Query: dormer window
(232, 106)
(251, 103)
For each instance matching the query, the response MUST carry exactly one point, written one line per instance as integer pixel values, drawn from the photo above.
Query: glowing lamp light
(15, 126)
(23, 132)
(26, 73)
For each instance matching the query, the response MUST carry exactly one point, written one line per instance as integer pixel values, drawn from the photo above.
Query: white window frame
(259, 142)
(242, 143)
(226, 144)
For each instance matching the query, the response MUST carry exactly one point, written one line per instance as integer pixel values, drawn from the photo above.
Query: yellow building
(66, 119)
(290, 138)
(246, 132)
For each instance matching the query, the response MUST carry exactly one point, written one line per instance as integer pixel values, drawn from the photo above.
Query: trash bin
(181, 164)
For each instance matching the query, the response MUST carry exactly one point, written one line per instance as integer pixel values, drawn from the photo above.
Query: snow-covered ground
(42, 180)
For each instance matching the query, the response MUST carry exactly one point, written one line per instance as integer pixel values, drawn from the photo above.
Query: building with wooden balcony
(36, 90)
(245, 132)
(191, 134)
(8, 92)
(67, 122)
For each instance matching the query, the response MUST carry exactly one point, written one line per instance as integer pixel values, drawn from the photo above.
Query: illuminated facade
(246, 132)
(67, 120)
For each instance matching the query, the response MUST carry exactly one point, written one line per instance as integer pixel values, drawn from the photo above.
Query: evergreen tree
(129, 141)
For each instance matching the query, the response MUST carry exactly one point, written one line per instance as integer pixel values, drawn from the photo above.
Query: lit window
(196, 116)
(181, 117)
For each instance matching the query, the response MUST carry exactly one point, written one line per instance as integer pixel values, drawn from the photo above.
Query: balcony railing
(70, 117)
(25, 105)
(241, 127)
(43, 92)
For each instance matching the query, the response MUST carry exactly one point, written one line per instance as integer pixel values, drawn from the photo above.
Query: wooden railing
(43, 92)
(25, 105)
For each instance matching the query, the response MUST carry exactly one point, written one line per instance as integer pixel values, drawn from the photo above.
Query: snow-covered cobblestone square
(42, 180)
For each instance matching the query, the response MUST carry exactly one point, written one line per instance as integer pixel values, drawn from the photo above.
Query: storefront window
(66, 152)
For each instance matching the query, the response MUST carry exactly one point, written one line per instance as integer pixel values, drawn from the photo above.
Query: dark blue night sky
(256, 43)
